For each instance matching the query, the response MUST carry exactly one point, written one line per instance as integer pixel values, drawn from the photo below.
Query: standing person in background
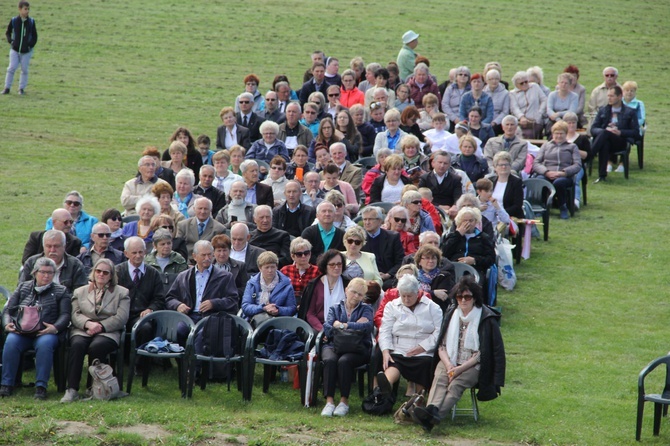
(406, 55)
(22, 36)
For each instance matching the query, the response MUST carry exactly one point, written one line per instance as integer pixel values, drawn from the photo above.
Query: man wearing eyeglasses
(69, 270)
(324, 235)
(292, 216)
(100, 249)
(598, 97)
(62, 221)
(247, 118)
(83, 223)
(271, 112)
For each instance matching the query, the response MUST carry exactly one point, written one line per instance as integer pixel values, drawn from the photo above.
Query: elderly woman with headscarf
(470, 245)
(99, 314)
(421, 84)
(471, 353)
(408, 336)
(54, 299)
(528, 103)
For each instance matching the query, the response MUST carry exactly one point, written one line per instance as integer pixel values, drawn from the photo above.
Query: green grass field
(110, 77)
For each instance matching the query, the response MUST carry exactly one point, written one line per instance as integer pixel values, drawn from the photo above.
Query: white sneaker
(70, 396)
(609, 168)
(328, 410)
(341, 410)
(576, 203)
(620, 168)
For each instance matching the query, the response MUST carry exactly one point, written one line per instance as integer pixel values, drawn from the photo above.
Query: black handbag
(349, 341)
(27, 319)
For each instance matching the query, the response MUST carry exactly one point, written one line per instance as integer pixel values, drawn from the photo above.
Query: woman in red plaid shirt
(301, 271)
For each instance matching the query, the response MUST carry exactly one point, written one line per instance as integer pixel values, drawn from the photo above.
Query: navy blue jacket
(22, 36)
(627, 122)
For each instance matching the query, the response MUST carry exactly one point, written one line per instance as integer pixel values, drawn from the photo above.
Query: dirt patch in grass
(148, 431)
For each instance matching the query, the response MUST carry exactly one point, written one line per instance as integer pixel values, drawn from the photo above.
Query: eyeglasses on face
(523, 82)
(244, 102)
(103, 272)
(103, 234)
(464, 296)
(416, 202)
(400, 220)
(67, 222)
(73, 203)
(302, 253)
(354, 241)
(335, 265)
(277, 168)
(168, 227)
(333, 95)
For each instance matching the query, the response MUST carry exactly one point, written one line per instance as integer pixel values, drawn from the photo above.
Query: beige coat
(113, 314)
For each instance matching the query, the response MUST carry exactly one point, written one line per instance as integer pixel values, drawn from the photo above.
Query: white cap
(409, 36)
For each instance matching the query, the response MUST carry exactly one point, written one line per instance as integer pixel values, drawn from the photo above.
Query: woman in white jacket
(407, 337)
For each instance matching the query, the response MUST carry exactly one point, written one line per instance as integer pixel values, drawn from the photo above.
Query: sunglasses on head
(302, 253)
(354, 242)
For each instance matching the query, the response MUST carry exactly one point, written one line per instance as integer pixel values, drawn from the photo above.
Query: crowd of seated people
(280, 220)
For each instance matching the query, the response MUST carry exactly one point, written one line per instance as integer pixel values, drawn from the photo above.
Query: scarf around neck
(471, 333)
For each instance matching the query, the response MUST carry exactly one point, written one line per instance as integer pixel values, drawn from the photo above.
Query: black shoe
(21, 92)
(384, 385)
(5, 91)
(6, 391)
(40, 393)
(426, 417)
(600, 180)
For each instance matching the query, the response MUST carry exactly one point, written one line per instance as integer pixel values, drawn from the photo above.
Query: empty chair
(540, 194)
(660, 400)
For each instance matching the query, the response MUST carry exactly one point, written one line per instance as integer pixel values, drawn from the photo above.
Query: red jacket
(351, 97)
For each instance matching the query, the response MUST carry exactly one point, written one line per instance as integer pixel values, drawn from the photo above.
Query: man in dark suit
(101, 235)
(200, 227)
(615, 125)
(316, 83)
(247, 118)
(202, 290)
(62, 221)
(324, 235)
(269, 238)
(241, 250)
(293, 216)
(445, 184)
(271, 112)
(257, 192)
(206, 189)
(385, 245)
(145, 287)
(241, 134)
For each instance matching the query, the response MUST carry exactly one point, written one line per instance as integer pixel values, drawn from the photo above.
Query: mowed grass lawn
(110, 77)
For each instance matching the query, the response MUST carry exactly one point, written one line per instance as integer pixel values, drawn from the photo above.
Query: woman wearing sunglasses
(397, 219)
(301, 272)
(471, 353)
(359, 264)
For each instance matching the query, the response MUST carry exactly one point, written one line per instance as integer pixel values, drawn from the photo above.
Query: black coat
(309, 292)
(513, 196)
(481, 247)
(274, 240)
(71, 275)
(34, 245)
(313, 235)
(264, 195)
(306, 216)
(56, 302)
(220, 290)
(149, 294)
(216, 196)
(447, 193)
(390, 254)
(492, 352)
(378, 186)
(254, 126)
(242, 133)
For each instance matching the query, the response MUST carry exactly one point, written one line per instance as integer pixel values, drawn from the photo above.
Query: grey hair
(495, 73)
(473, 211)
(376, 209)
(509, 118)
(373, 66)
(130, 240)
(281, 84)
(324, 203)
(296, 104)
(245, 165)
(113, 280)
(421, 66)
(163, 234)
(380, 90)
(570, 117)
(150, 199)
(239, 224)
(207, 167)
(356, 231)
(209, 202)
(408, 284)
(464, 69)
(337, 144)
(269, 125)
(616, 72)
(410, 196)
(188, 173)
(518, 76)
(202, 244)
(43, 261)
(424, 235)
(146, 157)
(392, 213)
(468, 200)
(52, 234)
(239, 182)
(76, 194)
(262, 207)
(384, 152)
(537, 72)
(246, 95)
(299, 242)
(502, 155)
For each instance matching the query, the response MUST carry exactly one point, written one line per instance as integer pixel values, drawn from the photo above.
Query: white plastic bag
(506, 274)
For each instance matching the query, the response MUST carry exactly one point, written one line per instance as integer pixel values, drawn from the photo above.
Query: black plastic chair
(366, 163)
(130, 218)
(386, 207)
(367, 368)
(304, 331)
(244, 332)
(540, 194)
(166, 324)
(625, 157)
(661, 401)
